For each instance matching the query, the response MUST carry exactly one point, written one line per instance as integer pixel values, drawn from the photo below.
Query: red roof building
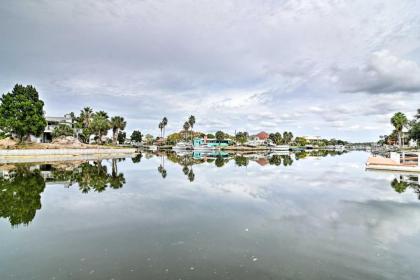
(262, 135)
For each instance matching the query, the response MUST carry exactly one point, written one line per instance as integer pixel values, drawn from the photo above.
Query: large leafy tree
(220, 135)
(241, 137)
(399, 120)
(136, 136)
(121, 137)
(276, 138)
(117, 123)
(21, 112)
(287, 137)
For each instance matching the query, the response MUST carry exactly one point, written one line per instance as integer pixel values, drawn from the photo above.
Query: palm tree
(161, 126)
(399, 120)
(165, 123)
(103, 114)
(186, 126)
(117, 123)
(417, 116)
(191, 122)
(85, 116)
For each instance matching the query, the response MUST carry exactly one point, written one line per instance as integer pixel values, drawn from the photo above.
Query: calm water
(256, 217)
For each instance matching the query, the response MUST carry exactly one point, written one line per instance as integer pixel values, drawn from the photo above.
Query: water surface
(305, 216)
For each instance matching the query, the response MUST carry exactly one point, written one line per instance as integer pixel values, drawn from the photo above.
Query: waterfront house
(52, 122)
(259, 139)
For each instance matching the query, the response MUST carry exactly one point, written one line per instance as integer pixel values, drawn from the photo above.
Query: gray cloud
(384, 73)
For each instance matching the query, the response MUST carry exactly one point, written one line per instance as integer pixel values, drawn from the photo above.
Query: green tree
(417, 116)
(62, 130)
(121, 137)
(300, 141)
(136, 136)
(100, 125)
(241, 137)
(287, 137)
(399, 120)
(415, 131)
(276, 138)
(210, 136)
(21, 112)
(220, 135)
(85, 118)
(174, 138)
(149, 138)
(117, 123)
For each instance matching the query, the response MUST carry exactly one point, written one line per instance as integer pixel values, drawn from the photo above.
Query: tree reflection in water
(403, 182)
(20, 195)
(220, 159)
(21, 186)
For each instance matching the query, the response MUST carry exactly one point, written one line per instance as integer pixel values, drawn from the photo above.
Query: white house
(52, 122)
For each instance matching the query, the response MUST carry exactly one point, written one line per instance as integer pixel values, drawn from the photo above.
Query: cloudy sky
(333, 68)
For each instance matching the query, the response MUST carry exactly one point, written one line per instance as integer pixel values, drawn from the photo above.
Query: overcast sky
(322, 67)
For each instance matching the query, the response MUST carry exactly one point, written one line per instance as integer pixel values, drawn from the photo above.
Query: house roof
(262, 135)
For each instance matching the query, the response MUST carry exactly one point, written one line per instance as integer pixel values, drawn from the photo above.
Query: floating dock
(398, 161)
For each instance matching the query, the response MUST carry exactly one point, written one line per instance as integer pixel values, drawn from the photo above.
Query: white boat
(182, 146)
(404, 161)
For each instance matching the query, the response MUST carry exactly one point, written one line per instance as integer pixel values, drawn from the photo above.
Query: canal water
(316, 215)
